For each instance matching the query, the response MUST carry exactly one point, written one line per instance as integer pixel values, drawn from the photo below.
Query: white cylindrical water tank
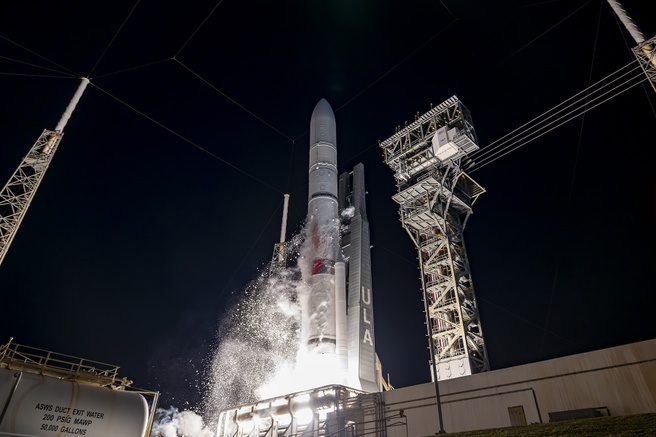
(38, 405)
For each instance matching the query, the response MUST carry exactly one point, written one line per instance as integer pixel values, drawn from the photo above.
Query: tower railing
(31, 359)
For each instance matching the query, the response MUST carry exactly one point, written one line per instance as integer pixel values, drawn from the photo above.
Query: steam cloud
(260, 354)
(174, 423)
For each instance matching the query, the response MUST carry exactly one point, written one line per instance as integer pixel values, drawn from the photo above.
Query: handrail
(41, 360)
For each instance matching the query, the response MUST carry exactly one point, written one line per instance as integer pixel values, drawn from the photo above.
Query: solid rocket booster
(323, 233)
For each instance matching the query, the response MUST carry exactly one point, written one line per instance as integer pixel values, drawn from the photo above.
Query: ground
(638, 425)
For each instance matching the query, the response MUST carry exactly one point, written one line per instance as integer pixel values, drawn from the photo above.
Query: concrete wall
(622, 378)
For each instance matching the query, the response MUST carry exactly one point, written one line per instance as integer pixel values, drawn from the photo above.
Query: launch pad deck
(332, 410)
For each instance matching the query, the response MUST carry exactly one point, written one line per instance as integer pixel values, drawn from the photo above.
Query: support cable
(580, 139)
(18, 61)
(40, 56)
(111, 41)
(2, 73)
(397, 65)
(483, 164)
(548, 114)
(135, 67)
(572, 184)
(626, 43)
(561, 21)
(251, 248)
(187, 140)
(538, 127)
(432, 37)
(242, 107)
(443, 3)
(387, 72)
(193, 34)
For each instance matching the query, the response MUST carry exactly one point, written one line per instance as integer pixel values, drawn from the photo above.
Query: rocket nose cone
(322, 124)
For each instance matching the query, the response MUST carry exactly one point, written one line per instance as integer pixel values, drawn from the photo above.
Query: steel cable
(40, 56)
(111, 41)
(3, 73)
(539, 127)
(193, 34)
(18, 61)
(536, 121)
(242, 107)
(479, 166)
(187, 140)
(136, 67)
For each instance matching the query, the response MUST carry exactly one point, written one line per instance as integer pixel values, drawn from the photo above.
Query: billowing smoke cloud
(259, 354)
(257, 338)
(174, 423)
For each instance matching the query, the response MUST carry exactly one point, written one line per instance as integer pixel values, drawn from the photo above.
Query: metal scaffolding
(435, 200)
(646, 54)
(17, 194)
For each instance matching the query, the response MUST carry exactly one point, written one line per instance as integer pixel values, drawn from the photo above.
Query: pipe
(71, 105)
(632, 28)
(627, 21)
(283, 225)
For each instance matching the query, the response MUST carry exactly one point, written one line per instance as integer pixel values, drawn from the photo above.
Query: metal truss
(646, 54)
(435, 200)
(17, 194)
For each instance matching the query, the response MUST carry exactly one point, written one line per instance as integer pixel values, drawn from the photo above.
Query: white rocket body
(325, 308)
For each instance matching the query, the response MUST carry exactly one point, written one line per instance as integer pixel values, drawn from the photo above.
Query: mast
(279, 259)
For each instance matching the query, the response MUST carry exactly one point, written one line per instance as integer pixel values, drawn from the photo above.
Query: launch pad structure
(435, 198)
(332, 410)
(17, 195)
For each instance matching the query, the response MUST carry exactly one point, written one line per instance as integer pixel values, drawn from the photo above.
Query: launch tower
(16, 196)
(435, 198)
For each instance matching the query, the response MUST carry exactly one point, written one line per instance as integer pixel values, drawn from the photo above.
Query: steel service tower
(435, 198)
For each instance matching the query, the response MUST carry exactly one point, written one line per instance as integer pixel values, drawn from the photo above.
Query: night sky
(138, 242)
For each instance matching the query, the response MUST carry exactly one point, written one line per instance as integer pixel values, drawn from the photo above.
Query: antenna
(283, 225)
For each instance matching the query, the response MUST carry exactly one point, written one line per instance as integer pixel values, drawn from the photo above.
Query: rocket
(325, 309)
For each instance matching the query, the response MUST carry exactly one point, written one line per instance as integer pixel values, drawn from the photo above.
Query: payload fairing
(330, 326)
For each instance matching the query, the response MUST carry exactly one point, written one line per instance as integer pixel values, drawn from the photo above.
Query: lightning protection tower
(435, 200)
(17, 194)
(645, 50)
